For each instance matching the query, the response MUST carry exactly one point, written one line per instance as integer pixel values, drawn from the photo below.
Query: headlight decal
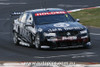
(84, 37)
(49, 34)
(83, 32)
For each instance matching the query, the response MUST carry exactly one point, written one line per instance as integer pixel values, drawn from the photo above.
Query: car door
(29, 28)
(22, 20)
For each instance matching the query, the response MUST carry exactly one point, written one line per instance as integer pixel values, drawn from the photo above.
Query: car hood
(61, 26)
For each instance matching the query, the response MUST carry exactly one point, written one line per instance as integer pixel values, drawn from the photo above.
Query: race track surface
(10, 52)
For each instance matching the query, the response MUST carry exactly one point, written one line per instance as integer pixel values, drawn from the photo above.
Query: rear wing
(16, 13)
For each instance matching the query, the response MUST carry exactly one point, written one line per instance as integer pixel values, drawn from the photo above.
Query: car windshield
(49, 19)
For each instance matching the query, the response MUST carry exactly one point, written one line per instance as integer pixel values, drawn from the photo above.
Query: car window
(30, 18)
(49, 19)
(23, 18)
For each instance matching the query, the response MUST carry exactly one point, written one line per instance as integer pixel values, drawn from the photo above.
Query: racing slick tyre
(37, 42)
(15, 38)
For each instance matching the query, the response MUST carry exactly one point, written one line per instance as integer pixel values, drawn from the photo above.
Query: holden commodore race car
(49, 28)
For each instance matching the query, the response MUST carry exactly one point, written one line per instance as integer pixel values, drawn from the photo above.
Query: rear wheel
(15, 38)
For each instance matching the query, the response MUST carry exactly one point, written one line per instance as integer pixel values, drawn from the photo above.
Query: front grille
(68, 33)
(65, 44)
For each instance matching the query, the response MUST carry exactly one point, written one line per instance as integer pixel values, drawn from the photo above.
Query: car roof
(45, 10)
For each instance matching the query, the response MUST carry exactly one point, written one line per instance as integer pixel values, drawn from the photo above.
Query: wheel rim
(15, 38)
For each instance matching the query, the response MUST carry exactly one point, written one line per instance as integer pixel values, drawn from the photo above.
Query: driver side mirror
(77, 20)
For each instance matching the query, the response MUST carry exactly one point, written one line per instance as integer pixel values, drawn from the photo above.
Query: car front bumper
(63, 42)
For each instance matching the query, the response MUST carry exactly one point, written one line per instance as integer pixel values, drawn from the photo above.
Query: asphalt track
(10, 52)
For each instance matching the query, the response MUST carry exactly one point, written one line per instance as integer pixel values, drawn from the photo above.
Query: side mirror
(77, 20)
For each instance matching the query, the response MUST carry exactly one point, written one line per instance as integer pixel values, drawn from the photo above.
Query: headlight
(49, 34)
(83, 32)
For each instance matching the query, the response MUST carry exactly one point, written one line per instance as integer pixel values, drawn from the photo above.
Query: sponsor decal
(70, 28)
(66, 15)
(55, 29)
(69, 38)
(50, 13)
(63, 38)
(65, 28)
(61, 25)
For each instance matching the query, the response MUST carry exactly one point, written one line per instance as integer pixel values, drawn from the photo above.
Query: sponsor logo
(69, 38)
(50, 13)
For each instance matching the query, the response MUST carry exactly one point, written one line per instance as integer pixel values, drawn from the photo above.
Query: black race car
(49, 28)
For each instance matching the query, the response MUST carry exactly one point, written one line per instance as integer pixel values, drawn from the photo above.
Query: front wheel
(15, 38)
(37, 42)
(88, 45)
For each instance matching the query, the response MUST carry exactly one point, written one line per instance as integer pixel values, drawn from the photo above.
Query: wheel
(37, 42)
(15, 38)
(87, 45)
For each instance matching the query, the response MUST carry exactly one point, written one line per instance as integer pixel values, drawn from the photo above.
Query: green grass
(89, 17)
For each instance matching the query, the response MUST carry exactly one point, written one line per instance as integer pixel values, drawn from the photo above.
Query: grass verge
(88, 17)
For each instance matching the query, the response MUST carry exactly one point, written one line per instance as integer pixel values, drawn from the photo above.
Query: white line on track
(69, 55)
(4, 0)
(12, 3)
(69, 5)
(5, 19)
(95, 34)
(5, 32)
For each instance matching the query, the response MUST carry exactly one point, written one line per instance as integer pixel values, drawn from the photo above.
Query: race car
(49, 28)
